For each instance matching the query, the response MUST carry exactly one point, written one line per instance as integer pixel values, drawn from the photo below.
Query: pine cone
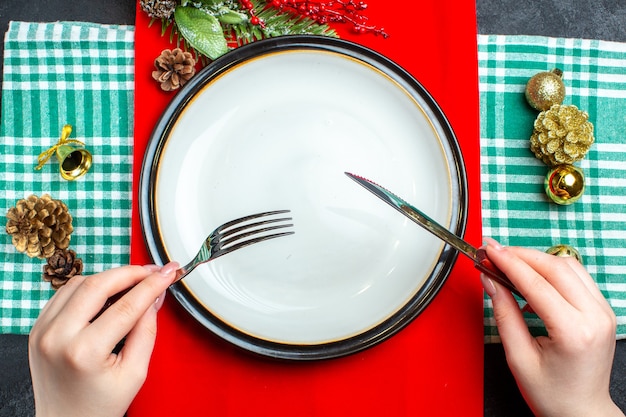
(62, 266)
(174, 68)
(562, 135)
(39, 226)
(158, 9)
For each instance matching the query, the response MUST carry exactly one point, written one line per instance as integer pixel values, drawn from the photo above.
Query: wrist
(612, 410)
(606, 408)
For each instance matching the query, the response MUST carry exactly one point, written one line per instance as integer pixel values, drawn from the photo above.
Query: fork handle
(183, 271)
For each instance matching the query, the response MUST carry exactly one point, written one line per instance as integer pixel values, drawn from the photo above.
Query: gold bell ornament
(74, 159)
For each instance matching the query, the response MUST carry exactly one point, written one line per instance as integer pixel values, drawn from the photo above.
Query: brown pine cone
(62, 266)
(174, 68)
(39, 226)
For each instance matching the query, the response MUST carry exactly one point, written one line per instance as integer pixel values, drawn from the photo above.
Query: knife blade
(478, 255)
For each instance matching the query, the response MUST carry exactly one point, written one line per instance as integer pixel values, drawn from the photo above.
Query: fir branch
(280, 23)
(237, 26)
(275, 23)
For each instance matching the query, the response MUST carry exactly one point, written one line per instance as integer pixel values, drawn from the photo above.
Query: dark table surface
(599, 19)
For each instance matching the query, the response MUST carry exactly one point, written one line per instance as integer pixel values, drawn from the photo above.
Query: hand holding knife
(478, 255)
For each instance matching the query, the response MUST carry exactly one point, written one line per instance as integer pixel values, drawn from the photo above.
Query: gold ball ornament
(564, 251)
(561, 135)
(565, 184)
(545, 89)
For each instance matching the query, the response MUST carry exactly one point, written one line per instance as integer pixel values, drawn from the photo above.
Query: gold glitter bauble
(561, 135)
(545, 89)
(565, 184)
(564, 251)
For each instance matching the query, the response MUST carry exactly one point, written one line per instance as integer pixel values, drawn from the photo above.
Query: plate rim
(390, 325)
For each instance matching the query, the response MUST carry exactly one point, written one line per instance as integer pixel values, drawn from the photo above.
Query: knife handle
(483, 264)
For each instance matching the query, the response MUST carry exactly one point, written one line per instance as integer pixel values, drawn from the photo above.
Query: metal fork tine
(224, 251)
(232, 235)
(246, 218)
(227, 239)
(250, 226)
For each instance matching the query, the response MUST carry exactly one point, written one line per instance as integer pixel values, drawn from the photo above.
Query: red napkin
(433, 367)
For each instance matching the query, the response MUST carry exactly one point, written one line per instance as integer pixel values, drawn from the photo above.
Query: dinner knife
(478, 255)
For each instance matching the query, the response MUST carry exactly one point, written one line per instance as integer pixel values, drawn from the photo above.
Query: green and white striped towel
(54, 74)
(82, 74)
(515, 208)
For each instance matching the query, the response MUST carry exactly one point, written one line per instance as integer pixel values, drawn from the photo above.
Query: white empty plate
(274, 125)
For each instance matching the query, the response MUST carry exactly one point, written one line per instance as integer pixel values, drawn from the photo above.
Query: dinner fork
(237, 234)
(227, 238)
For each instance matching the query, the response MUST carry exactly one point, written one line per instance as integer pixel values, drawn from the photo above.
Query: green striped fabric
(55, 74)
(82, 74)
(515, 208)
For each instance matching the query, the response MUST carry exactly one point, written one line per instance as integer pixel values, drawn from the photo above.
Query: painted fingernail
(169, 268)
(488, 285)
(159, 301)
(493, 243)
